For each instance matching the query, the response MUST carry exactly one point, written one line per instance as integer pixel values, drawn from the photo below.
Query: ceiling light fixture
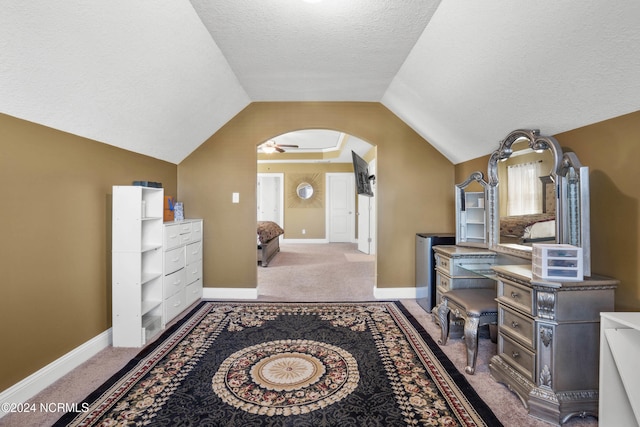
(269, 149)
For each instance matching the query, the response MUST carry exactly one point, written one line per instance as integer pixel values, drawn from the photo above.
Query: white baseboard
(305, 241)
(38, 381)
(229, 293)
(394, 293)
(252, 293)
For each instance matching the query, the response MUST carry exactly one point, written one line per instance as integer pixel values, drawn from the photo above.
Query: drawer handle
(515, 354)
(175, 259)
(515, 324)
(515, 295)
(178, 304)
(176, 283)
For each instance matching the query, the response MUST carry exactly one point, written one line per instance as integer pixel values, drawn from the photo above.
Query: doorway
(270, 201)
(322, 158)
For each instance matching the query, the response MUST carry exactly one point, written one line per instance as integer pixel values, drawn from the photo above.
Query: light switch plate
(235, 198)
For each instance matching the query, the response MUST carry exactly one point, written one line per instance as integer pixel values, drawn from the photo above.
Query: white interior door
(270, 198)
(364, 224)
(373, 213)
(340, 207)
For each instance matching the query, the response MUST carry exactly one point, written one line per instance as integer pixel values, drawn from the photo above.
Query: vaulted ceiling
(160, 77)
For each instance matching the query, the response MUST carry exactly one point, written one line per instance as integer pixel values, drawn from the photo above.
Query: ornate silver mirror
(471, 215)
(536, 194)
(304, 190)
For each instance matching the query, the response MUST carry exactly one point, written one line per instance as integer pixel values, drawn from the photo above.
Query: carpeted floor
(341, 281)
(289, 364)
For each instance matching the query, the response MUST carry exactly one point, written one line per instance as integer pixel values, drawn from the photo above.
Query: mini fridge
(426, 266)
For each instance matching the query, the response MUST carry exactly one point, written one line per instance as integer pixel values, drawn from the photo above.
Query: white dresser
(619, 369)
(182, 266)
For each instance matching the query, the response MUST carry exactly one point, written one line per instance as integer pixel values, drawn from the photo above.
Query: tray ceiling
(161, 77)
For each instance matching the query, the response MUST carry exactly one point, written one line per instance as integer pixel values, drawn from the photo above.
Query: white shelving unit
(137, 258)
(619, 370)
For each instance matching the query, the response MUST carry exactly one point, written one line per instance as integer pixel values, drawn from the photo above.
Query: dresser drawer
(443, 282)
(173, 260)
(519, 357)
(185, 227)
(196, 231)
(455, 266)
(194, 252)
(444, 264)
(171, 236)
(447, 283)
(193, 291)
(517, 325)
(174, 282)
(193, 271)
(174, 305)
(515, 295)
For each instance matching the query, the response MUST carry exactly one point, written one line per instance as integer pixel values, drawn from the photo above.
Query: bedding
(267, 230)
(520, 227)
(541, 230)
(268, 234)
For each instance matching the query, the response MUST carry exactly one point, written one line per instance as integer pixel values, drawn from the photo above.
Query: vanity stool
(477, 307)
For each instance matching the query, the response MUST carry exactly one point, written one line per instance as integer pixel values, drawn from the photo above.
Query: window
(524, 190)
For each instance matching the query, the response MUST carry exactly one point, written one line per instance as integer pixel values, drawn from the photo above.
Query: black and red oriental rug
(289, 364)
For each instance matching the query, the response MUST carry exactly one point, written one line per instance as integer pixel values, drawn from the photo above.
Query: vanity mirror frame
(572, 219)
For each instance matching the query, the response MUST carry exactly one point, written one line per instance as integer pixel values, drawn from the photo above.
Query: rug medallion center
(286, 377)
(287, 371)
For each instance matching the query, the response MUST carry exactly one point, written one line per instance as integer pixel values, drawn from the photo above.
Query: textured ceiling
(160, 77)
(336, 50)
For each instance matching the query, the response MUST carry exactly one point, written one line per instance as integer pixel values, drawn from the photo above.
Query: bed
(268, 241)
(523, 229)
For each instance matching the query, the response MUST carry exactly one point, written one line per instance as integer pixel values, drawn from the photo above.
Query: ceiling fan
(272, 146)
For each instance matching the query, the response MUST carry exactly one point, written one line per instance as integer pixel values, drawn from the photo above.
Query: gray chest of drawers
(548, 341)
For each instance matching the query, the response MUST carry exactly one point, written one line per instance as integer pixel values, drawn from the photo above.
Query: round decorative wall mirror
(304, 190)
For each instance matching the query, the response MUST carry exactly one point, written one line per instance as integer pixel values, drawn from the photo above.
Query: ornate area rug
(289, 364)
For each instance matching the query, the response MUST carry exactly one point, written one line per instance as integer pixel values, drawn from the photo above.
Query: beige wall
(611, 151)
(414, 183)
(55, 259)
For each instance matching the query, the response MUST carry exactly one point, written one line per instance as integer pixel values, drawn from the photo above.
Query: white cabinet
(619, 369)
(137, 277)
(182, 266)
(156, 266)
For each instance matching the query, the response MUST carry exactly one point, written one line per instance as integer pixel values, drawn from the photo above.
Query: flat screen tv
(363, 179)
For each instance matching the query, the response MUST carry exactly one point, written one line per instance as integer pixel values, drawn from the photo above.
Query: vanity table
(548, 330)
(548, 341)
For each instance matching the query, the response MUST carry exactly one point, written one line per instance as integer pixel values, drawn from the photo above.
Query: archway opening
(306, 185)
